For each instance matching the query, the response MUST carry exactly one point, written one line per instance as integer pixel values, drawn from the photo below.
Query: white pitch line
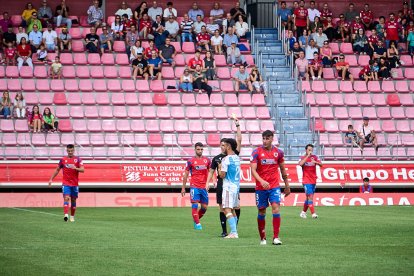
(31, 211)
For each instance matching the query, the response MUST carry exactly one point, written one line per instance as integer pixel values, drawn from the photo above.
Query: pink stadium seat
(409, 73)
(167, 72)
(209, 126)
(75, 33)
(82, 72)
(181, 126)
(388, 126)
(86, 31)
(331, 126)
(388, 86)
(374, 86)
(142, 85)
(306, 86)
(206, 112)
(346, 48)
(188, 99)
(398, 113)
(179, 61)
(393, 100)
(177, 112)
(79, 59)
(364, 99)
(195, 126)
(71, 85)
(399, 153)
(6, 126)
(248, 112)
(16, 20)
(363, 60)
(346, 86)
(336, 139)
(2, 72)
(263, 113)
(26, 72)
(99, 153)
(258, 100)
(331, 86)
(224, 126)
(149, 112)
(220, 112)
(28, 85)
(76, 112)
(184, 140)
(109, 125)
(176, 45)
(234, 110)
(102, 99)
(407, 60)
(45, 98)
(23, 139)
(216, 100)
(128, 85)
(318, 86)
(94, 59)
(220, 60)
(354, 72)
(125, 72)
(66, 59)
(120, 111)
(369, 112)
(355, 112)
(62, 112)
(188, 47)
(378, 99)
(38, 139)
(14, 85)
(166, 126)
(12, 72)
(163, 112)
(310, 99)
(399, 74)
(65, 126)
(57, 85)
(158, 153)
(77, 46)
(328, 74)
(406, 99)
(59, 98)
(96, 139)
(3, 84)
(192, 112)
(91, 112)
(335, 48)
(227, 86)
(174, 99)
(122, 59)
(123, 126)
(404, 125)
(128, 139)
(326, 113)
(96, 72)
(249, 60)
(119, 46)
(68, 72)
(360, 86)
(99, 85)
(265, 125)
(401, 86)
(202, 99)
(31, 98)
(407, 139)
(223, 73)
(341, 112)
(105, 111)
(156, 86)
(114, 86)
(170, 139)
(230, 100)
(245, 100)
(351, 59)
(322, 99)
(159, 99)
(89, 99)
(108, 59)
(141, 139)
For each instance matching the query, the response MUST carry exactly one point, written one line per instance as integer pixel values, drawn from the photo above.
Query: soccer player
(229, 171)
(198, 166)
(264, 162)
(71, 166)
(219, 188)
(308, 162)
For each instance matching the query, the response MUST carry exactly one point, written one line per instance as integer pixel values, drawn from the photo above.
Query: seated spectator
(92, 41)
(200, 81)
(351, 136)
(326, 54)
(343, 29)
(380, 51)
(50, 122)
(328, 29)
(45, 13)
(56, 68)
(241, 27)
(106, 40)
(313, 12)
(228, 22)
(136, 50)
(95, 15)
(186, 81)
(304, 39)
(148, 51)
(367, 134)
(257, 82)
(155, 11)
(384, 69)
(285, 15)
(290, 40)
(380, 28)
(186, 28)
(366, 188)
(35, 119)
(325, 13)
(295, 50)
(9, 36)
(6, 104)
(212, 26)
(131, 37)
(35, 38)
(367, 17)
(310, 49)
(229, 39)
(169, 11)
(27, 14)
(195, 11)
(117, 28)
(360, 43)
(50, 39)
(366, 74)
(314, 26)
(216, 42)
(355, 26)
(24, 54)
(10, 54)
(372, 43)
(65, 40)
(124, 10)
(157, 24)
(209, 66)
(234, 56)
(145, 27)
(342, 68)
(127, 24)
(242, 80)
(410, 42)
(154, 66)
(393, 55)
(351, 13)
(203, 40)
(140, 67)
(33, 21)
(236, 11)
(374, 69)
(173, 29)
(198, 24)
(62, 15)
(168, 53)
(196, 60)
(19, 105)
(5, 22)
(316, 67)
(302, 65)
(41, 53)
(217, 13)
(319, 37)
(160, 36)
(140, 11)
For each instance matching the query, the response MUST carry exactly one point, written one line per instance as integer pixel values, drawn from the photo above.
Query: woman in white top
(241, 27)
(135, 50)
(117, 28)
(186, 81)
(19, 105)
(217, 42)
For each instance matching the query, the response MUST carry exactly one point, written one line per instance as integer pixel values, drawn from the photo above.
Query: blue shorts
(264, 197)
(198, 195)
(309, 188)
(71, 191)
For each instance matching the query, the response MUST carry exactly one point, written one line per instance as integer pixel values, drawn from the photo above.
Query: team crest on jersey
(205, 160)
(275, 154)
(76, 160)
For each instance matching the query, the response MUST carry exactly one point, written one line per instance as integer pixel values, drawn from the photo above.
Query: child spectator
(10, 54)
(56, 68)
(186, 81)
(42, 53)
(366, 188)
(35, 119)
(374, 69)
(351, 136)
(410, 42)
(257, 81)
(50, 121)
(19, 105)
(5, 106)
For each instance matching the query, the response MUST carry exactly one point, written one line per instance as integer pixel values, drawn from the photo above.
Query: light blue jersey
(231, 165)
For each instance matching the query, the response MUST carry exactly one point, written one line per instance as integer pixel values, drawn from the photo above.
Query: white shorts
(230, 197)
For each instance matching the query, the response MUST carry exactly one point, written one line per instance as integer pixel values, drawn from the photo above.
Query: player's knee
(262, 211)
(66, 198)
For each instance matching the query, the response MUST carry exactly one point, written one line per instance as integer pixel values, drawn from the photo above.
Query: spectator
(343, 28)
(5, 22)
(380, 28)
(360, 43)
(21, 34)
(366, 188)
(200, 81)
(50, 122)
(313, 12)
(367, 17)
(285, 15)
(35, 119)
(410, 42)
(212, 26)
(351, 13)
(320, 37)
(196, 60)
(198, 24)
(145, 27)
(56, 68)
(217, 13)
(95, 15)
(372, 42)
(130, 38)
(124, 10)
(342, 68)
(300, 19)
(315, 25)
(236, 11)
(136, 50)
(195, 11)
(62, 15)
(65, 40)
(6, 104)
(203, 40)
(242, 80)
(328, 29)
(9, 36)
(241, 27)
(140, 11)
(325, 13)
(295, 50)
(316, 67)
(92, 41)
(154, 66)
(168, 53)
(50, 39)
(155, 11)
(234, 56)
(228, 22)
(380, 51)
(169, 11)
(374, 69)
(295, 6)
(393, 55)
(160, 37)
(326, 54)
(391, 30)
(216, 42)
(229, 38)
(366, 74)
(117, 28)
(290, 41)
(209, 66)
(367, 135)
(257, 81)
(106, 40)
(19, 105)
(186, 81)
(173, 29)
(149, 49)
(27, 14)
(302, 65)
(384, 69)
(407, 12)
(186, 27)
(304, 39)
(127, 24)
(10, 54)
(33, 21)
(45, 13)
(311, 49)
(355, 26)
(41, 53)
(35, 38)
(24, 54)
(157, 24)
(351, 136)
(140, 67)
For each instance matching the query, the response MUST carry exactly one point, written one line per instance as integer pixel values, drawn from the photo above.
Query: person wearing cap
(367, 134)
(366, 188)
(50, 39)
(65, 40)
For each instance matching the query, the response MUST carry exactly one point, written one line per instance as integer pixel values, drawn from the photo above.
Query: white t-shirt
(49, 37)
(172, 27)
(117, 28)
(153, 12)
(313, 13)
(167, 12)
(121, 12)
(216, 40)
(197, 26)
(365, 130)
(136, 50)
(241, 29)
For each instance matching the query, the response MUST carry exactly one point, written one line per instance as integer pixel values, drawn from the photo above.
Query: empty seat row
(325, 125)
(401, 86)
(361, 99)
(353, 112)
(384, 153)
(394, 139)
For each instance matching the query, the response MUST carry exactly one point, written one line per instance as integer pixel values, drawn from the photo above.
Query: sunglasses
(341, 58)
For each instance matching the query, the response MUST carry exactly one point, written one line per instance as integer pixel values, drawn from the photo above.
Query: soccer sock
(73, 209)
(276, 225)
(237, 214)
(305, 206)
(232, 223)
(261, 225)
(223, 222)
(201, 212)
(194, 211)
(311, 207)
(65, 208)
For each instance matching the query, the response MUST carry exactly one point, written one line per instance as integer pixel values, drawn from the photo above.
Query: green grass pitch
(161, 241)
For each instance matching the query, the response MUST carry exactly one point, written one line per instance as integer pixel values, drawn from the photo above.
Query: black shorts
(156, 71)
(347, 74)
(219, 192)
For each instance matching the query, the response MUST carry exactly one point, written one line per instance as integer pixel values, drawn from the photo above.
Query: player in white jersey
(229, 171)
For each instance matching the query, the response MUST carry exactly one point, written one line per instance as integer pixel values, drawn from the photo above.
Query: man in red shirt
(342, 68)
(203, 39)
(71, 166)
(316, 67)
(265, 162)
(149, 49)
(196, 60)
(343, 28)
(145, 27)
(198, 166)
(308, 162)
(355, 26)
(367, 17)
(300, 19)
(372, 41)
(392, 28)
(325, 13)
